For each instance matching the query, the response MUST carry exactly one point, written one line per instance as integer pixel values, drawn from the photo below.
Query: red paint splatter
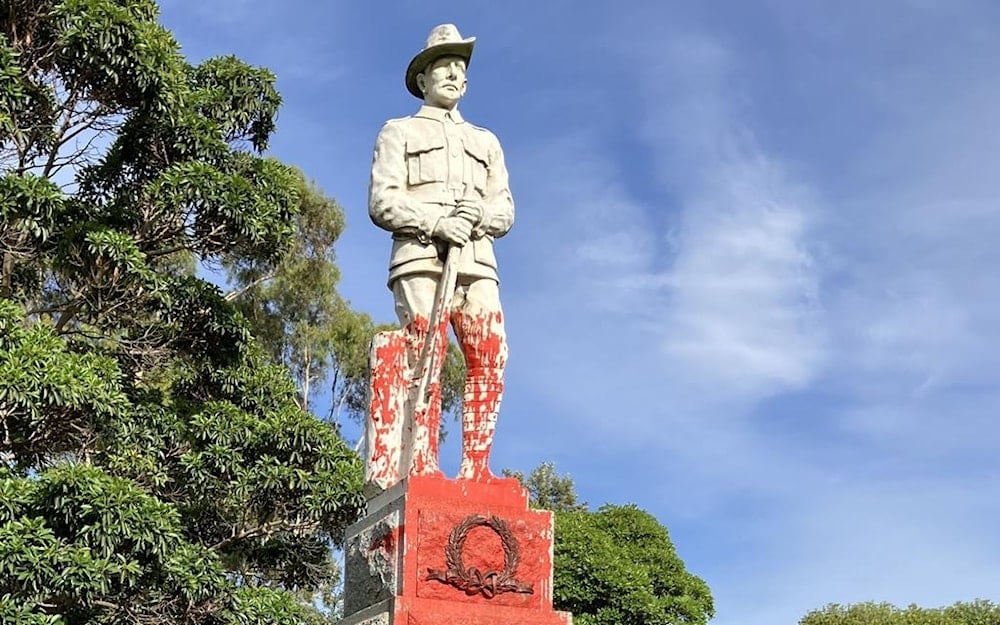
(395, 360)
(388, 389)
(426, 419)
(386, 543)
(485, 348)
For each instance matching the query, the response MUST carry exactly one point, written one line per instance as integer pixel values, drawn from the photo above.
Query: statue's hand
(453, 229)
(470, 209)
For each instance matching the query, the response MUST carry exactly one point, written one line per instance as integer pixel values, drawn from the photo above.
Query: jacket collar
(439, 114)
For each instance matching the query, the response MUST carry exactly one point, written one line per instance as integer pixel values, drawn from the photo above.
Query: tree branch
(230, 296)
(61, 137)
(266, 530)
(305, 379)
(66, 315)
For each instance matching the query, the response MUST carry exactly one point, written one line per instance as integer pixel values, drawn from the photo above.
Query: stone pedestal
(433, 551)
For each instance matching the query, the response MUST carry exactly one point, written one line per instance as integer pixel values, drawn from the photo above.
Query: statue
(439, 184)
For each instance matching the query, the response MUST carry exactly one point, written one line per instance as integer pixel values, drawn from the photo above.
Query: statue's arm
(498, 209)
(390, 206)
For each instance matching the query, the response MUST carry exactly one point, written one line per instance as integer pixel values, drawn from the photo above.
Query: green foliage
(10, 87)
(264, 606)
(292, 304)
(79, 544)
(267, 491)
(618, 566)
(52, 399)
(549, 490)
(241, 99)
(155, 465)
(14, 613)
(31, 209)
(615, 566)
(979, 612)
(115, 53)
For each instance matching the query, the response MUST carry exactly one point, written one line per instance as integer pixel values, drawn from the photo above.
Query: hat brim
(427, 56)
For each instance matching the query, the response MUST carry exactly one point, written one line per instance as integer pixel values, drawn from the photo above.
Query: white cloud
(744, 310)
(738, 305)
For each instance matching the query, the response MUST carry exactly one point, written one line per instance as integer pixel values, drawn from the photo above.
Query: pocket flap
(477, 150)
(424, 143)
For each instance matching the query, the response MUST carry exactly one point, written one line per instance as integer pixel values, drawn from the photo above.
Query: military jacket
(422, 166)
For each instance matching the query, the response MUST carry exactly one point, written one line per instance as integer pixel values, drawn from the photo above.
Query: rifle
(437, 333)
(431, 360)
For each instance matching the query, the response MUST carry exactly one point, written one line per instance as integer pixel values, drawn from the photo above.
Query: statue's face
(443, 82)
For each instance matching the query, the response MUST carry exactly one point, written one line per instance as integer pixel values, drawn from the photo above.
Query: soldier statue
(439, 184)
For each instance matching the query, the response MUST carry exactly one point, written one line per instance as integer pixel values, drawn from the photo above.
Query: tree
(979, 612)
(618, 566)
(157, 466)
(615, 566)
(548, 490)
(293, 304)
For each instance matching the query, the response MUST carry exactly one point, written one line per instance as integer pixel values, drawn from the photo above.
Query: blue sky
(752, 282)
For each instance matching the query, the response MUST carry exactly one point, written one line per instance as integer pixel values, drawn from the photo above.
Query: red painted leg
(485, 348)
(481, 404)
(387, 450)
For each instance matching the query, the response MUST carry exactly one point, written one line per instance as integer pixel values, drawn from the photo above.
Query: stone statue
(439, 184)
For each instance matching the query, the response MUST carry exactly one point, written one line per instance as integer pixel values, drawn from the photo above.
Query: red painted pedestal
(433, 551)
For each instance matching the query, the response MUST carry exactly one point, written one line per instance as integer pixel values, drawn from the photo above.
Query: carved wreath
(471, 580)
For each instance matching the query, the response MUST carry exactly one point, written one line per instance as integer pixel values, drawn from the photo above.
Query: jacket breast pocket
(476, 165)
(425, 160)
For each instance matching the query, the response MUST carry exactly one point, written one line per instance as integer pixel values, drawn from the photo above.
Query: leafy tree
(979, 612)
(615, 566)
(157, 466)
(293, 304)
(618, 566)
(549, 490)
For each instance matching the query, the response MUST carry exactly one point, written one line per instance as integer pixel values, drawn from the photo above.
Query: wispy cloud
(731, 295)
(689, 303)
(742, 309)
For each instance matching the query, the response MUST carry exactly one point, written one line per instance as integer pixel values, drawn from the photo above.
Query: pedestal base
(432, 612)
(433, 551)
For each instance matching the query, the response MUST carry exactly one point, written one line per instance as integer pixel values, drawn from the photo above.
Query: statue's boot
(480, 406)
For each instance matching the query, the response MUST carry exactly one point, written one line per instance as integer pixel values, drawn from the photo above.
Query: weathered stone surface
(373, 558)
(380, 614)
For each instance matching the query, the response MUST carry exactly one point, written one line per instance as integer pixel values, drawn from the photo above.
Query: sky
(752, 283)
